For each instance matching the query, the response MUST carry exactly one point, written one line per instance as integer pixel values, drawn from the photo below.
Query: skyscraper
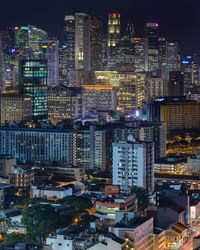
(21, 37)
(95, 43)
(113, 29)
(139, 54)
(151, 48)
(33, 82)
(162, 44)
(82, 41)
(172, 58)
(122, 57)
(176, 83)
(191, 71)
(35, 36)
(113, 36)
(130, 30)
(49, 50)
(67, 51)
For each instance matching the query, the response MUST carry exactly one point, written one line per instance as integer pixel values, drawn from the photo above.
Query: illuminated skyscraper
(22, 37)
(190, 68)
(139, 54)
(176, 83)
(49, 50)
(113, 37)
(82, 41)
(113, 29)
(63, 66)
(151, 48)
(172, 58)
(95, 43)
(35, 36)
(130, 30)
(162, 64)
(33, 82)
(122, 57)
(131, 91)
(68, 49)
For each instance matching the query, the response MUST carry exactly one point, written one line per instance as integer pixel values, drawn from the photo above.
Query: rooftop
(133, 223)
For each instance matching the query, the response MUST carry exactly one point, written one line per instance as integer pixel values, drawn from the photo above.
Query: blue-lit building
(33, 82)
(36, 145)
(190, 68)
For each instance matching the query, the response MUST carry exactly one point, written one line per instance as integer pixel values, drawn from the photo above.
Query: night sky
(179, 19)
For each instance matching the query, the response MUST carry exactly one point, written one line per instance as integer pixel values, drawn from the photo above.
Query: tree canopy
(142, 197)
(39, 221)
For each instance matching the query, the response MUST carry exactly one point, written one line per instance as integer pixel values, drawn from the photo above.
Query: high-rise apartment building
(36, 145)
(133, 164)
(89, 148)
(143, 131)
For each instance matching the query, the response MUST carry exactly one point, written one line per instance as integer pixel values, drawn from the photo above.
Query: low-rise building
(5, 190)
(194, 163)
(175, 237)
(22, 176)
(50, 192)
(111, 241)
(170, 165)
(70, 171)
(6, 164)
(74, 237)
(114, 207)
(137, 233)
(159, 239)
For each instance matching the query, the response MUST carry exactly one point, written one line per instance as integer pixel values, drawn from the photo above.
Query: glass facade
(33, 82)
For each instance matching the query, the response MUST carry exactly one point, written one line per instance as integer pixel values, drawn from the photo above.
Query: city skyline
(177, 21)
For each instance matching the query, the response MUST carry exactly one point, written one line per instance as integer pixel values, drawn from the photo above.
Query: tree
(142, 197)
(39, 221)
(13, 238)
(77, 202)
